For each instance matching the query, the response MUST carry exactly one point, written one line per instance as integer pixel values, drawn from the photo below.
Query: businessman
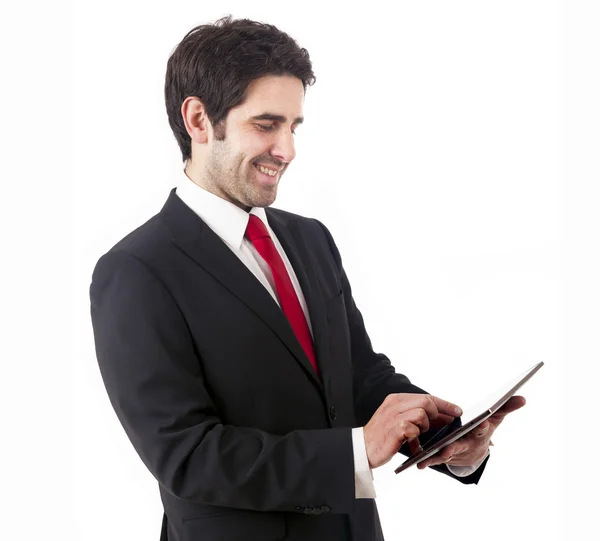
(226, 333)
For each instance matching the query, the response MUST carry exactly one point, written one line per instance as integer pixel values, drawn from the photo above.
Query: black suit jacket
(215, 392)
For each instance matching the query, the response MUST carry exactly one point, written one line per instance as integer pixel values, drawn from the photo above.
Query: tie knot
(256, 229)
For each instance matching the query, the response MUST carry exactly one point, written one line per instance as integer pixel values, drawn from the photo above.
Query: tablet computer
(470, 419)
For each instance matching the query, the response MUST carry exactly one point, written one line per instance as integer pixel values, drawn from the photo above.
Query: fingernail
(458, 411)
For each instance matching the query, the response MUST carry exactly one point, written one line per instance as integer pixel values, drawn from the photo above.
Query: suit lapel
(196, 239)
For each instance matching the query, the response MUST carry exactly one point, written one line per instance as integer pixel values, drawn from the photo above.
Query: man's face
(258, 133)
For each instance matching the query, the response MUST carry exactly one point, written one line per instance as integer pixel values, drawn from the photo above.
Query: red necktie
(259, 236)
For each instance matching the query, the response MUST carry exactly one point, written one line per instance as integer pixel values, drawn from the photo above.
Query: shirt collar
(227, 220)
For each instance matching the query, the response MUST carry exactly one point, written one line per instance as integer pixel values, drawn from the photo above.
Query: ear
(196, 122)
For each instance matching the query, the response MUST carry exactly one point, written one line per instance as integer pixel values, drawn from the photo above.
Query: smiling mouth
(266, 170)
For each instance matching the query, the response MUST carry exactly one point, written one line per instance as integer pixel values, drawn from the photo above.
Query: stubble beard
(237, 183)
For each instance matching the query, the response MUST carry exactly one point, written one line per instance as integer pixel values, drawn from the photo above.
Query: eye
(270, 127)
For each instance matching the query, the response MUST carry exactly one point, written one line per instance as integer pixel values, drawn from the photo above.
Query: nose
(284, 147)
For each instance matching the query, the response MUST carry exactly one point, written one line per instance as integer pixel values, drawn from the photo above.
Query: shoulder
(310, 228)
(304, 223)
(136, 253)
(143, 239)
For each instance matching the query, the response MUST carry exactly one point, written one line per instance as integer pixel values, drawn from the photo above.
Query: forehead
(278, 94)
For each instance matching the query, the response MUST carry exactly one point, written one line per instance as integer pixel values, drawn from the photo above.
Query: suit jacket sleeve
(374, 377)
(152, 375)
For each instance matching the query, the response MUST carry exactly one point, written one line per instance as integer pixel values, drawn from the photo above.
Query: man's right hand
(401, 418)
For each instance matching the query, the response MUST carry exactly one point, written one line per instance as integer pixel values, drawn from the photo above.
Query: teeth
(269, 172)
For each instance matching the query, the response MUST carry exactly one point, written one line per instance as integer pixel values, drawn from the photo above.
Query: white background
(452, 149)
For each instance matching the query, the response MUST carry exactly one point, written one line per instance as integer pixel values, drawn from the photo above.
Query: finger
(447, 408)
(512, 404)
(440, 421)
(434, 461)
(403, 402)
(418, 417)
(415, 446)
(406, 431)
(481, 430)
(455, 449)
(443, 419)
(446, 454)
(442, 457)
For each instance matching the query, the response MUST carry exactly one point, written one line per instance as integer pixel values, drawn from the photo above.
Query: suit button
(332, 413)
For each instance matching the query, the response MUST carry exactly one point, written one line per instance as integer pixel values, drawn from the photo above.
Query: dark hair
(216, 63)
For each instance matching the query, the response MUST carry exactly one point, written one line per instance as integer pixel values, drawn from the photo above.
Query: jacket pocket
(235, 525)
(333, 297)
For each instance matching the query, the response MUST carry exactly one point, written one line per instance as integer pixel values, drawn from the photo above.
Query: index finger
(446, 407)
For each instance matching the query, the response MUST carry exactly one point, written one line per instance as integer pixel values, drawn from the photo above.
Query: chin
(263, 197)
(264, 201)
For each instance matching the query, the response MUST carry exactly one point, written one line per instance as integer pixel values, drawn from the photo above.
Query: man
(226, 333)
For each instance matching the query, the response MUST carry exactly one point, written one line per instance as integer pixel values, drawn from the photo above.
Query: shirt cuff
(464, 471)
(363, 475)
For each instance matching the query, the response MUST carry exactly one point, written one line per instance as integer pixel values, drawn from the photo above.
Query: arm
(154, 379)
(374, 376)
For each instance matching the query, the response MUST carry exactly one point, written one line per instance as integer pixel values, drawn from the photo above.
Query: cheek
(256, 147)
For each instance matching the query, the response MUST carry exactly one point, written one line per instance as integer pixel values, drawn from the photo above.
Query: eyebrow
(276, 118)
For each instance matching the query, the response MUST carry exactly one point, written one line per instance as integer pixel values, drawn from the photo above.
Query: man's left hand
(472, 448)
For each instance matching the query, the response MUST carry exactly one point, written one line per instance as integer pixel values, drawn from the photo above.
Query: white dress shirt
(229, 222)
